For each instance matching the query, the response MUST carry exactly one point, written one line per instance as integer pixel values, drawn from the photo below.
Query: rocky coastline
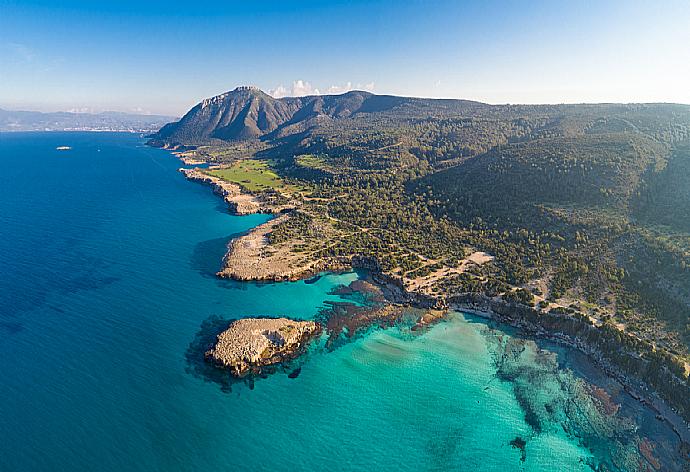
(250, 258)
(239, 203)
(582, 336)
(564, 329)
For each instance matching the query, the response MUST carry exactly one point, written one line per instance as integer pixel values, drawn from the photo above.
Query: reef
(554, 399)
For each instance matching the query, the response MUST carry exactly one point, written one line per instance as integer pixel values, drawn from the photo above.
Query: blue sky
(163, 57)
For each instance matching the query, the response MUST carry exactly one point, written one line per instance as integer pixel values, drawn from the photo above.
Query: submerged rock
(250, 344)
(519, 443)
(295, 373)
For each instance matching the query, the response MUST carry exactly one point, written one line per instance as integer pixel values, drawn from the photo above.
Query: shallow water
(107, 258)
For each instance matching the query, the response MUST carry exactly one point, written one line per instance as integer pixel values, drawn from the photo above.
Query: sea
(107, 284)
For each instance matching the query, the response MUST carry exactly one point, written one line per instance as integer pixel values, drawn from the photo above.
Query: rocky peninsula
(251, 344)
(255, 257)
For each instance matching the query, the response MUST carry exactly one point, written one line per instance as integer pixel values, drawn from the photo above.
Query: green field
(251, 174)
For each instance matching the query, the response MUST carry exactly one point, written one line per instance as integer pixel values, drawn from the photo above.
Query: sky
(164, 57)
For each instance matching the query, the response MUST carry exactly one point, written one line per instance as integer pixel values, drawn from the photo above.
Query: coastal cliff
(635, 363)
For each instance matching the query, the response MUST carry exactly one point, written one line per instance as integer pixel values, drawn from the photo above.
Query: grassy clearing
(313, 162)
(255, 176)
(251, 174)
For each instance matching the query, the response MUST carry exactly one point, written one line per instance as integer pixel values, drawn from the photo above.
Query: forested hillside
(615, 206)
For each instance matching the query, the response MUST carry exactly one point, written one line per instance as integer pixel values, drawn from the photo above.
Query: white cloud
(338, 89)
(301, 88)
(82, 110)
(279, 92)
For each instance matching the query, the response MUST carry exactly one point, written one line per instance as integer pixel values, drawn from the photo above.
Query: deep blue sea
(107, 262)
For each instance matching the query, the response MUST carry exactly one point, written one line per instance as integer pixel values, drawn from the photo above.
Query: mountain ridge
(247, 112)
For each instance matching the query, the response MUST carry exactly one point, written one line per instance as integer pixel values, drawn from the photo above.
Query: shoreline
(239, 202)
(657, 405)
(650, 399)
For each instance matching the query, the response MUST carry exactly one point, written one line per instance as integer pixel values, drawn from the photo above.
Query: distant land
(11, 120)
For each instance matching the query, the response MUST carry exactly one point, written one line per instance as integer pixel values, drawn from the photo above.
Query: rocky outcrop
(190, 158)
(238, 202)
(251, 344)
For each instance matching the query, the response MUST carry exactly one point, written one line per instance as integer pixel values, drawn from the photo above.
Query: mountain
(248, 113)
(67, 121)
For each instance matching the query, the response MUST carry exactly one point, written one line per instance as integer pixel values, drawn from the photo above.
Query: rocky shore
(239, 203)
(252, 257)
(250, 344)
(189, 158)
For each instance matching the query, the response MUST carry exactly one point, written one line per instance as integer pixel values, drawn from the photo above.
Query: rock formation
(250, 344)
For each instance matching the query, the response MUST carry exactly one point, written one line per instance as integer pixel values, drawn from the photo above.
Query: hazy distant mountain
(66, 121)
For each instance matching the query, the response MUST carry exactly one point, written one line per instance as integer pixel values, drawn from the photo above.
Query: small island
(248, 345)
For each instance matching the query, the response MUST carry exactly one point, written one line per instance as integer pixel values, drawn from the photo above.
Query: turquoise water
(107, 258)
